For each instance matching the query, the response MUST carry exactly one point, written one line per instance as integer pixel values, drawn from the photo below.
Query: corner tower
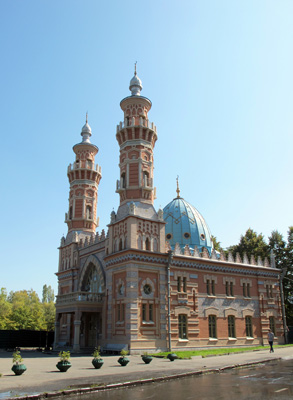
(84, 178)
(136, 137)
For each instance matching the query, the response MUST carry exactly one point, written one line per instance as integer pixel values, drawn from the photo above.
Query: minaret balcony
(84, 166)
(79, 297)
(136, 122)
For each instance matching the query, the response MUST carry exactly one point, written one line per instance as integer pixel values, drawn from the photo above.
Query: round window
(202, 236)
(186, 235)
(169, 236)
(147, 289)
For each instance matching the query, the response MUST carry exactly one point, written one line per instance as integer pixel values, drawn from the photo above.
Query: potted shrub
(123, 360)
(172, 356)
(18, 367)
(64, 364)
(147, 358)
(97, 360)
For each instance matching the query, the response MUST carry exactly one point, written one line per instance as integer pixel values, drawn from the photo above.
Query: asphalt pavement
(43, 378)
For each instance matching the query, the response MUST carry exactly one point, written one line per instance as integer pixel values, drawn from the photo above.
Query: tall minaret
(136, 225)
(136, 137)
(84, 178)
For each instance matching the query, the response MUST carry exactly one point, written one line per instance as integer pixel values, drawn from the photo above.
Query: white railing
(133, 122)
(74, 297)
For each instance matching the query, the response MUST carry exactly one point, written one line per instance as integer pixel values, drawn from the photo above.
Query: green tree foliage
(27, 311)
(5, 309)
(23, 310)
(48, 294)
(48, 307)
(217, 245)
(252, 244)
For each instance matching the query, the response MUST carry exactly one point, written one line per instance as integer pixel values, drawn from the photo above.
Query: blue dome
(186, 226)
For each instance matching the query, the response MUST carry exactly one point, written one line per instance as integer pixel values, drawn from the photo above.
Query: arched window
(231, 326)
(182, 325)
(213, 326)
(88, 212)
(120, 245)
(147, 244)
(145, 178)
(125, 240)
(123, 180)
(70, 212)
(91, 281)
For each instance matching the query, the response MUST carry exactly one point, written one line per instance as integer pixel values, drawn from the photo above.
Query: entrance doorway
(92, 329)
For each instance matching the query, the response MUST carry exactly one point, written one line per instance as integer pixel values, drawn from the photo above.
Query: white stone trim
(211, 311)
(182, 310)
(247, 312)
(230, 311)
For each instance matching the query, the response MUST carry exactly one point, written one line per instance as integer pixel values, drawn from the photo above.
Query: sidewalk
(42, 375)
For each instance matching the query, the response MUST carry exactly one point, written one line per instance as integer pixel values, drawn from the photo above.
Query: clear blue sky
(219, 75)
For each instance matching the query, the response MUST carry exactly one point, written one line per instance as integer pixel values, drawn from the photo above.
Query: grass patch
(214, 352)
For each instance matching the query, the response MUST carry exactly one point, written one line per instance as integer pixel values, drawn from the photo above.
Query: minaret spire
(178, 190)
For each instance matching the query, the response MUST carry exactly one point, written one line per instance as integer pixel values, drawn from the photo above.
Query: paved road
(42, 375)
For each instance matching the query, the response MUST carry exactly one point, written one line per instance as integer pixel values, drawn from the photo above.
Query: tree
(5, 309)
(48, 307)
(251, 244)
(217, 245)
(48, 294)
(26, 311)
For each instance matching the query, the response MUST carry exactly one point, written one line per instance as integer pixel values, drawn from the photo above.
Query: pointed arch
(92, 278)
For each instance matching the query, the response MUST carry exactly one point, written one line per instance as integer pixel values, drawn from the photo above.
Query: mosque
(153, 281)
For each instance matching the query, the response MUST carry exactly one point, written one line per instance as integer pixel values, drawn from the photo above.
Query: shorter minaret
(84, 178)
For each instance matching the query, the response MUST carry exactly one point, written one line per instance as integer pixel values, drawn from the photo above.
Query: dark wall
(22, 338)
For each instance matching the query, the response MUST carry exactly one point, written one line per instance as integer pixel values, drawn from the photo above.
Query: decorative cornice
(187, 264)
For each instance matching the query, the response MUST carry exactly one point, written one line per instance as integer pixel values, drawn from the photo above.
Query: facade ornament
(177, 249)
(196, 252)
(266, 262)
(205, 253)
(113, 217)
(238, 259)
(259, 261)
(230, 257)
(214, 255)
(160, 214)
(132, 208)
(187, 250)
(245, 259)
(222, 256)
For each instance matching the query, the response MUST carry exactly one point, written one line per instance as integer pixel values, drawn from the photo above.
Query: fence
(24, 338)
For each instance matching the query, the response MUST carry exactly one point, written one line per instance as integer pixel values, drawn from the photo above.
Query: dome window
(186, 235)
(202, 236)
(169, 236)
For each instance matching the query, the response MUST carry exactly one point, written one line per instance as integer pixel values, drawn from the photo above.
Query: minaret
(136, 137)
(84, 178)
(136, 225)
